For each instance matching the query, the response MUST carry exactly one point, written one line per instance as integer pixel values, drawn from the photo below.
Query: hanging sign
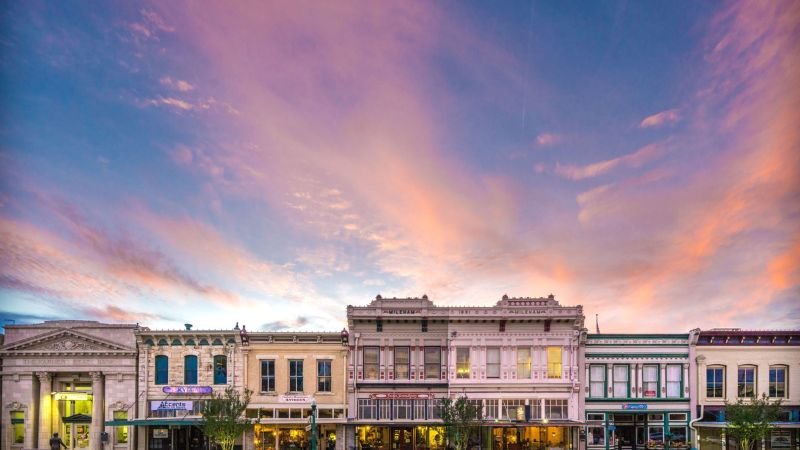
(171, 405)
(187, 389)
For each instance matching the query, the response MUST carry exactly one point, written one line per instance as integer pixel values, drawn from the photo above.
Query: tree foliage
(750, 420)
(460, 418)
(223, 416)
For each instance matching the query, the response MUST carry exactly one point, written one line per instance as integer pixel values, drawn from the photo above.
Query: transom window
(777, 381)
(462, 362)
(597, 381)
(433, 363)
(296, 375)
(523, 362)
(401, 363)
(267, 375)
(371, 357)
(493, 362)
(746, 381)
(715, 382)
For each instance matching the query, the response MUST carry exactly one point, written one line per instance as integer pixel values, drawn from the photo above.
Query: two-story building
(396, 374)
(734, 364)
(637, 391)
(177, 370)
(290, 373)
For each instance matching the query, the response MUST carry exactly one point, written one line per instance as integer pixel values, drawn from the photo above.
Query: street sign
(308, 427)
(612, 427)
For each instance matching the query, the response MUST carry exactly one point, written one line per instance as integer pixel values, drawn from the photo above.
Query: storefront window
(367, 408)
(462, 362)
(18, 427)
(373, 438)
(493, 362)
(433, 363)
(511, 409)
(596, 435)
(401, 363)
(677, 435)
(782, 439)
(710, 438)
(371, 357)
(263, 437)
(292, 439)
(553, 362)
(122, 432)
(523, 363)
(655, 434)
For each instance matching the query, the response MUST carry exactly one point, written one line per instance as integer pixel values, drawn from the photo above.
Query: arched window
(190, 369)
(220, 369)
(162, 369)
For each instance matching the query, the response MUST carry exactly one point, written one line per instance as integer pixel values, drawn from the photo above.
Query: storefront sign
(171, 405)
(295, 398)
(402, 395)
(187, 389)
(649, 393)
(71, 396)
(160, 433)
(781, 438)
(634, 406)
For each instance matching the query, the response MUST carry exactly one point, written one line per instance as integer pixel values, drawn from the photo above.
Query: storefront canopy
(152, 422)
(77, 418)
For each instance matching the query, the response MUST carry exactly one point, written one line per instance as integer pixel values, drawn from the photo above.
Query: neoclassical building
(68, 377)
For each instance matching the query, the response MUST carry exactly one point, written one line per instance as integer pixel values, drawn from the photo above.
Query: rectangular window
(384, 409)
(433, 363)
(324, 375)
(650, 380)
(121, 432)
(190, 369)
(512, 408)
(715, 382)
(597, 381)
(490, 410)
(777, 381)
(523, 363)
(677, 434)
(462, 362)
(401, 363)
(655, 434)
(493, 362)
(419, 409)
(556, 409)
(621, 381)
(371, 356)
(596, 435)
(267, 375)
(674, 380)
(434, 409)
(162, 369)
(367, 408)
(220, 369)
(677, 417)
(295, 375)
(746, 381)
(553, 362)
(18, 427)
(402, 409)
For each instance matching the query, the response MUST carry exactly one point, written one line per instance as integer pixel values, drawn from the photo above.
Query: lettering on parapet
(57, 362)
(400, 311)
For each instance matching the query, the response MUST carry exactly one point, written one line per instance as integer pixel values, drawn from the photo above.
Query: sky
(270, 163)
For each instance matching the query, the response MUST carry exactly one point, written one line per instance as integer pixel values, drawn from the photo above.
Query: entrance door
(77, 435)
(402, 438)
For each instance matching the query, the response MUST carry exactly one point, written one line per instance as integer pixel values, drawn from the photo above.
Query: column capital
(96, 376)
(44, 376)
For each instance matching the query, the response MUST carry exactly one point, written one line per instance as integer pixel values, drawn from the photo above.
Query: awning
(152, 422)
(77, 418)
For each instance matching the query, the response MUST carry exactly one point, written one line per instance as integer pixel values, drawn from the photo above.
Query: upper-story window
(268, 375)
(190, 369)
(621, 386)
(523, 362)
(493, 362)
(553, 362)
(746, 381)
(162, 369)
(597, 381)
(371, 357)
(433, 363)
(674, 380)
(324, 375)
(650, 380)
(295, 375)
(777, 381)
(715, 382)
(556, 409)
(462, 362)
(401, 363)
(220, 369)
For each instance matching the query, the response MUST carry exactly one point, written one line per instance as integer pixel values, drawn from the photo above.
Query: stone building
(289, 372)
(68, 377)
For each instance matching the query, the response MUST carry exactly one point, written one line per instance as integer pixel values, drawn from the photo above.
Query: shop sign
(634, 406)
(187, 389)
(402, 395)
(781, 439)
(649, 393)
(80, 396)
(160, 433)
(295, 398)
(171, 405)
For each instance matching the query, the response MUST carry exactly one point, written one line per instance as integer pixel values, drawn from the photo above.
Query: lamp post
(314, 424)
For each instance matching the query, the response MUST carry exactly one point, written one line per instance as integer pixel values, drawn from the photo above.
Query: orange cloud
(635, 159)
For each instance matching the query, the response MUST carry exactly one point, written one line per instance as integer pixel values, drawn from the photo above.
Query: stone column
(45, 408)
(98, 411)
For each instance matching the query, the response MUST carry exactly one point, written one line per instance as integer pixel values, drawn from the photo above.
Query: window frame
(560, 404)
(657, 381)
(189, 373)
(668, 382)
(555, 369)
(430, 365)
(615, 382)
(296, 379)
(495, 366)
(121, 434)
(268, 377)
(376, 366)
(323, 380)
(720, 382)
(407, 363)
(217, 379)
(754, 383)
(163, 372)
(785, 382)
(17, 422)
(524, 367)
(463, 367)
(604, 381)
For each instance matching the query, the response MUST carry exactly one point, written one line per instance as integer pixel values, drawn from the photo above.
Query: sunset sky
(272, 162)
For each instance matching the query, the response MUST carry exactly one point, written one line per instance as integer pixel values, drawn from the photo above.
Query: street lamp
(314, 424)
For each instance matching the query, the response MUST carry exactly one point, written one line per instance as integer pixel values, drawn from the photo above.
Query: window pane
(523, 363)
(296, 375)
(162, 369)
(121, 432)
(220, 369)
(267, 376)
(401, 363)
(746, 381)
(620, 381)
(674, 375)
(324, 376)
(190, 369)
(597, 377)
(553, 362)
(493, 363)
(371, 357)
(462, 362)
(433, 366)
(650, 381)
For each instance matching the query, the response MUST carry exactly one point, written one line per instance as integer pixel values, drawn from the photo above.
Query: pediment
(65, 341)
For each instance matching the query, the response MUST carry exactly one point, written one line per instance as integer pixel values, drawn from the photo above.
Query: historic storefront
(68, 377)
(294, 375)
(637, 391)
(733, 364)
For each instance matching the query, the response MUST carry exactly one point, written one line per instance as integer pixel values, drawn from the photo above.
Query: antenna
(597, 323)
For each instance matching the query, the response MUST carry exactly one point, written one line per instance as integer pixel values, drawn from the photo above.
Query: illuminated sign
(187, 389)
(71, 395)
(634, 406)
(171, 405)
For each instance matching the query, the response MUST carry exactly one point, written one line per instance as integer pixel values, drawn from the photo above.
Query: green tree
(460, 418)
(750, 420)
(223, 416)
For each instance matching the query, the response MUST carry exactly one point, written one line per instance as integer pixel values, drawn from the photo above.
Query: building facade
(734, 364)
(637, 391)
(178, 370)
(68, 377)
(289, 373)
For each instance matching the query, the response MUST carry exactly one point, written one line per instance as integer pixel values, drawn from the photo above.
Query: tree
(751, 420)
(223, 416)
(460, 418)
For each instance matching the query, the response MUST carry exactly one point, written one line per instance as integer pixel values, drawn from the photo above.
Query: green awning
(152, 422)
(77, 418)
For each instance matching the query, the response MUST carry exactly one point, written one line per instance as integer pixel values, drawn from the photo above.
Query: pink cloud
(547, 139)
(181, 85)
(659, 119)
(635, 159)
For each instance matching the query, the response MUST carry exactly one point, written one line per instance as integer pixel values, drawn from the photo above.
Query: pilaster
(45, 408)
